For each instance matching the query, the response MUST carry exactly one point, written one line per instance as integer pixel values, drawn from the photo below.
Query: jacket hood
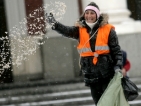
(103, 19)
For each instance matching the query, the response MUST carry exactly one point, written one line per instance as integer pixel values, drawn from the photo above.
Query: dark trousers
(98, 88)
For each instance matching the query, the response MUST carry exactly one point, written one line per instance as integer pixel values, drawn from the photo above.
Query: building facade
(40, 53)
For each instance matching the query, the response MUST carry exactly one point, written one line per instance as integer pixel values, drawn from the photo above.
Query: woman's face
(90, 16)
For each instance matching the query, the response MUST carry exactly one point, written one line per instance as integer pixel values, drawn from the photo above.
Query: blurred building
(57, 58)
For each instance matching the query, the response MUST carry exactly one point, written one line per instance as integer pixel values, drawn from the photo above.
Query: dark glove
(50, 19)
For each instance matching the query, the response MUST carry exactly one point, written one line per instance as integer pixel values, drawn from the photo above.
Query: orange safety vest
(101, 45)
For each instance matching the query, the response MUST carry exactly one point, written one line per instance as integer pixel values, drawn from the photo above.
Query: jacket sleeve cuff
(117, 68)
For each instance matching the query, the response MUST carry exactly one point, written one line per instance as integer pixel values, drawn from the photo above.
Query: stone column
(15, 12)
(30, 66)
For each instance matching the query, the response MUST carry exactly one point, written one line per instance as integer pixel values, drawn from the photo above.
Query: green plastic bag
(113, 95)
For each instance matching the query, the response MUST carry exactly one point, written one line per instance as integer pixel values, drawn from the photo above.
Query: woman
(98, 47)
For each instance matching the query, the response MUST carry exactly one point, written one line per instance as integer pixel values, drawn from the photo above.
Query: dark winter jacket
(106, 63)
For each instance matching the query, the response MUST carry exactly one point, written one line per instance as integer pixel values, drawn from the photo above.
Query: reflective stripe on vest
(83, 50)
(101, 45)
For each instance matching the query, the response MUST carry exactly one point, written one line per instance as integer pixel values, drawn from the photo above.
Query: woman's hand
(123, 71)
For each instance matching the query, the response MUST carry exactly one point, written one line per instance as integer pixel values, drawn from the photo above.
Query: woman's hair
(93, 4)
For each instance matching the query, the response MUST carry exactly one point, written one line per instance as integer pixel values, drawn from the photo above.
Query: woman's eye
(92, 13)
